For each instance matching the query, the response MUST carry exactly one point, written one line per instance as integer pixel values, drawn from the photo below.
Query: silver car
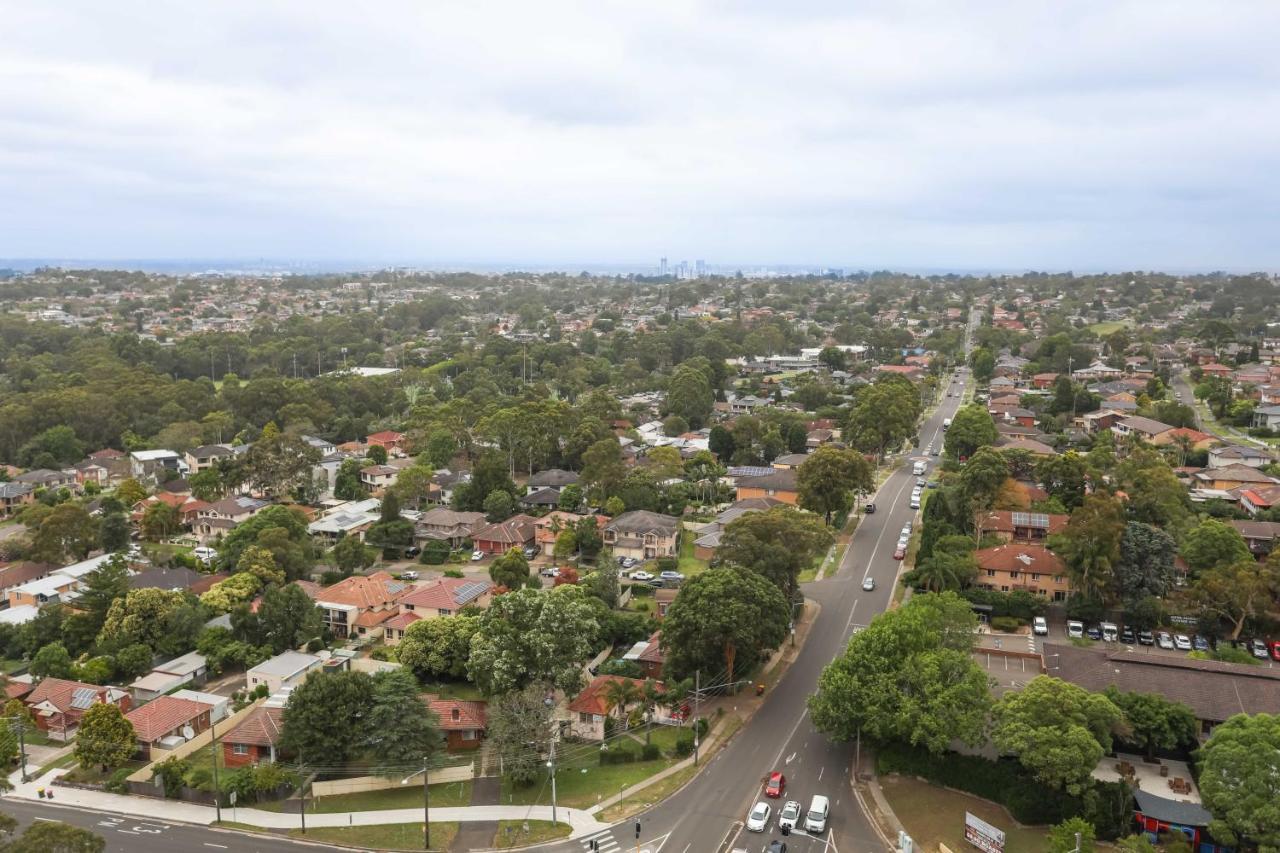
(789, 816)
(758, 819)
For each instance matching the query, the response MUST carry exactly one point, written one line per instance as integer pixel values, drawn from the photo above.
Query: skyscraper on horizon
(662, 266)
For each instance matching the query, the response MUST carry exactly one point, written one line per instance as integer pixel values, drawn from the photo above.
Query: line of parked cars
(1110, 633)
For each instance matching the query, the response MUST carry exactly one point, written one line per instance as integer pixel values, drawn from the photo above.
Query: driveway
(9, 530)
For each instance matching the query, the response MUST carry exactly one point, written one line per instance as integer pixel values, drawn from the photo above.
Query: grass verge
(389, 836)
(934, 816)
(444, 794)
(513, 833)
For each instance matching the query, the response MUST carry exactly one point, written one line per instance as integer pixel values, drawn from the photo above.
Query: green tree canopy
(1240, 780)
(830, 478)
(438, 648)
(971, 428)
(528, 635)
(512, 570)
(1212, 544)
(105, 738)
(778, 544)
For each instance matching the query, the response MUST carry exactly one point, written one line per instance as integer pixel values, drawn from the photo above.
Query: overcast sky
(1079, 135)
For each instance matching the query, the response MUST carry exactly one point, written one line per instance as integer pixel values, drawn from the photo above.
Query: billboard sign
(983, 835)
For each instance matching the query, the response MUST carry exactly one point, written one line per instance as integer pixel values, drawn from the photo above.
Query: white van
(920, 467)
(1040, 626)
(816, 819)
(1110, 633)
(946, 423)
(1075, 629)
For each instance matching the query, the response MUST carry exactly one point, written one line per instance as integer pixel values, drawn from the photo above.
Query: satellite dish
(188, 732)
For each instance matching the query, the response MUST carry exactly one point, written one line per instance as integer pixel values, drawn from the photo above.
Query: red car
(1275, 649)
(899, 554)
(775, 785)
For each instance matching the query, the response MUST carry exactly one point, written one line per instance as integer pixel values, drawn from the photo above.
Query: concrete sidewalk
(581, 822)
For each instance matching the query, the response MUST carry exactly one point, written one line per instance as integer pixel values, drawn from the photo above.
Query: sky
(976, 135)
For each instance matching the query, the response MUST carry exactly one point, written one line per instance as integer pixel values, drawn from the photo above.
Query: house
(175, 578)
(219, 706)
(44, 478)
(662, 601)
(16, 574)
(1024, 527)
(446, 596)
(286, 669)
(253, 740)
(375, 478)
(1143, 428)
(1259, 499)
(589, 708)
(150, 466)
(1192, 439)
(1239, 454)
(355, 605)
(648, 655)
(219, 518)
(392, 442)
(1094, 422)
(447, 525)
(553, 478)
(167, 723)
(350, 518)
(393, 630)
(1267, 417)
(547, 528)
(541, 498)
(206, 456)
(501, 536)
(54, 587)
(1260, 536)
(788, 461)
(1043, 381)
(643, 535)
(15, 496)
(464, 722)
(191, 668)
(58, 704)
(1231, 477)
(448, 481)
(1161, 816)
(1017, 566)
(709, 535)
(780, 484)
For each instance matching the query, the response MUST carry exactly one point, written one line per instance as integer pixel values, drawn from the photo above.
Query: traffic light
(637, 830)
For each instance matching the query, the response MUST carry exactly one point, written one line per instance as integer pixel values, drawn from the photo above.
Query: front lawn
(94, 776)
(581, 781)
(512, 833)
(389, 836)
(406, 796)
(689, 564)
(934, 816)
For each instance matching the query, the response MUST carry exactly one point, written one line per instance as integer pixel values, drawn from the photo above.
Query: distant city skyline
(993, 136)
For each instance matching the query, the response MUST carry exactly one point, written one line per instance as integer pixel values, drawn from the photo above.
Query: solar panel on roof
(83, 697)
(1030, 519)
(469, 592)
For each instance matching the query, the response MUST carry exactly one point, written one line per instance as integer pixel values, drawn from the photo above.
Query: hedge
(1105, 805)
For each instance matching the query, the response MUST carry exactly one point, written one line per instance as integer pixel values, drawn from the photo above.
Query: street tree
(907, 677)
(1155, 722)
(438, 648)
(520, 730)
(104, 738)
(778, 544)
(1238, 781)
(1073, 835)
(54, 836)
(942, 571)
(830, 478)
(724, 619)
(1057, 730)
(883, 416)
(981, 480)
(971, 428)
(1090, 544)
(323, 720)
(529, 636)
(511, 570)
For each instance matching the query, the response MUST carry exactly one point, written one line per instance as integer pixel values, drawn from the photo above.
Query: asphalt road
(1182, 386)
(708, 815)
(133, 835)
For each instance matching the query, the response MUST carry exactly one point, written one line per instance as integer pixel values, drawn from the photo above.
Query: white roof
(47, 586)
(188, 664)
(286, 664)
(19, 615)
(198, 696)
(79, 570)
(159, 682)
(153, 455)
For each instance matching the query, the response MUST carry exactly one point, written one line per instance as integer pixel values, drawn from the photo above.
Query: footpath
(581, 823)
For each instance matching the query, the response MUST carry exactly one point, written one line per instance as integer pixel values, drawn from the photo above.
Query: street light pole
(217, 791)
(426, 807)
(697, 694)
(552, 765)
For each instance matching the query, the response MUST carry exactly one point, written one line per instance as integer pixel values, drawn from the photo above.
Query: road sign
(983, 835)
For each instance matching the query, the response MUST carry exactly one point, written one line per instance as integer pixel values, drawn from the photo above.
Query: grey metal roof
(1171, 811)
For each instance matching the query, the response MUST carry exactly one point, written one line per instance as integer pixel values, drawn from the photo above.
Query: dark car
(1199, 643)
(1093, 632)
(1146, 638)
(777, 846)
(1127, 636)
(869, 507)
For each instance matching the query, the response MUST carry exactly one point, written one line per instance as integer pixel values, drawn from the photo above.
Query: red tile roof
(447, 594)
(592, 700)
(157, 719)
(363, 591)
(515, 530)
(261, 727)
(459, 714)
(402, 620)
(58, 692)
(1020, 558)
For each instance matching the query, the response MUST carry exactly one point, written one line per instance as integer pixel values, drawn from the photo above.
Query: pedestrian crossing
(604, 842)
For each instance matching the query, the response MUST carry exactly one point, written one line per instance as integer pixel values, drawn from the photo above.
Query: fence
(358, 784)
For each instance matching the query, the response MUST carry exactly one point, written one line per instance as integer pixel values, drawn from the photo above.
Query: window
(1014, 575)
(991, 573)
(1004, 589)
(470, 734)
(585, 718)
(444, 612)
(240, 749)
(1035, 577)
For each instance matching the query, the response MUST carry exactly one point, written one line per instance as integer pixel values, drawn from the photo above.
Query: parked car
(789, 816)
(869, 583)
(869, 507)
(775, 785)
(915, 502)
(1200, 644)
(920, 482)
(408, 576)
(900, 554)
(1259, 649)
(477, 556)
(626, 562)
(1127, 636)
(671, 576)
(1093, 632)
(1182, 642)
(1146, 638)
(758, 818)
(1275, 649)
(776, 846)
(550, 572)
(933, 452)
(203, 553)
(530, 552)
(1075, 629)
(1110, 633)
(1164, 640)
(641, 576)
(1040, 625)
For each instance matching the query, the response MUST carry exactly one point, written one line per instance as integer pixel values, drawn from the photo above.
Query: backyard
(933, 816)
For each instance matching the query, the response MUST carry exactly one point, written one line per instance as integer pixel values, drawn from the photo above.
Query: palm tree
(619, 693)
(943, 571)
(651, 696)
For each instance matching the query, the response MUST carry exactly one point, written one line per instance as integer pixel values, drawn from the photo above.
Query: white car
(671, 576)
(204, 554)
(789, 816)
(1040, 626)
(408, 576)
(758, 819)
(550, 572)
(1075, 629)
(1182, 642)
(641, 576)
(477, 556)
(868, 583)
(1164, 641)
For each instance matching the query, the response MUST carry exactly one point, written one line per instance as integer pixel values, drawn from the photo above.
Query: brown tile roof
(402, 620)
(1213, 690)
(1020, 558)
(515, 530)
(58, 692)
(261, 727)
(447, 594)
(364, 591)
(459, 714)
(1001, 521)
(592, 700)
(13, 574)
(156, 719)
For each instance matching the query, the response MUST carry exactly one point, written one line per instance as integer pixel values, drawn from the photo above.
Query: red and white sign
(983, 835)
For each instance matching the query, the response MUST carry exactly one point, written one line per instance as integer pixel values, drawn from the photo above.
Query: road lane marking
(219, 846)
(820, 772)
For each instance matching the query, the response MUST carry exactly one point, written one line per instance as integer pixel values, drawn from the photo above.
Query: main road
(707, 816)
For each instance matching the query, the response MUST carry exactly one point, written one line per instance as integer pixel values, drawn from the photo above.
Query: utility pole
(303, 811)
(21, 727)
(426, 807)
(552, 765)
(217, 791)
(697, 694)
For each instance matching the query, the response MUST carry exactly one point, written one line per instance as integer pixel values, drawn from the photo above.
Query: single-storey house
(167, 723)
(587, 710)
(284, 670)
(463, 722)
(253, 740)
(58, 704)
(782, 484)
